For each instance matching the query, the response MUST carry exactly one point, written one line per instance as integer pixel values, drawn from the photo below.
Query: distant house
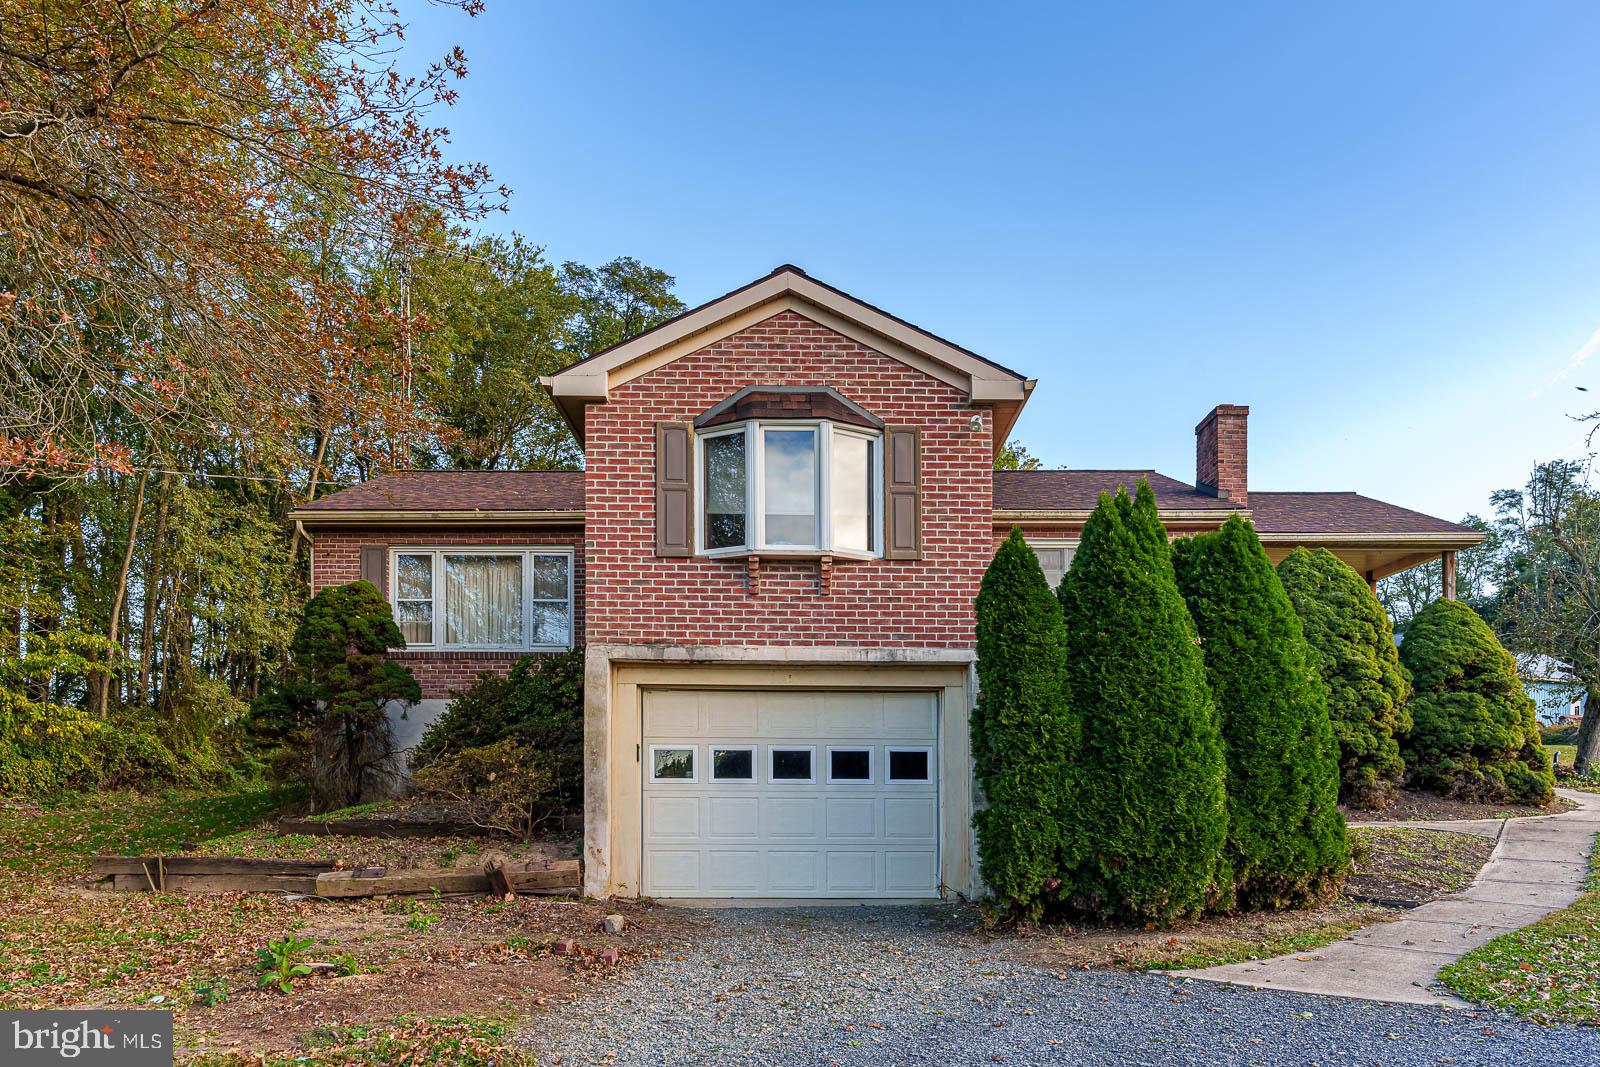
(771, 556)
(1557, 695)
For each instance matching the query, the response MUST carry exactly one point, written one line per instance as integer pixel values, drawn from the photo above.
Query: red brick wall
(1221, 451)
(638, 598)
(336, 559)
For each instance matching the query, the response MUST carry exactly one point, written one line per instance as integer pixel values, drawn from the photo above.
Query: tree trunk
(1589, 733)
(153, 579)
(103, 682)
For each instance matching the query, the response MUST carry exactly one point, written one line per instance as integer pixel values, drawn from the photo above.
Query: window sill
(787, 553)
(428, 652)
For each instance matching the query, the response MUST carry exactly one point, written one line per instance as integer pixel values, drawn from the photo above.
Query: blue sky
(1376, 224)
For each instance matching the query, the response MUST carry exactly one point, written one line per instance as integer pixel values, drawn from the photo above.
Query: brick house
(771, 557)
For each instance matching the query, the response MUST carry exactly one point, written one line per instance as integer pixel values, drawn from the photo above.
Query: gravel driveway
(887, 986)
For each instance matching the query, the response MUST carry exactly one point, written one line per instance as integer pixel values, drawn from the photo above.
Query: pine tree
(1022, 729)
(1474, 732)
(1286, 837)
(330, 709)
(1352, 647)
(1148, 820)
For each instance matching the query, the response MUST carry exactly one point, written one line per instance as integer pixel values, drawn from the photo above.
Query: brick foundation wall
(636, 597)
(336, 560)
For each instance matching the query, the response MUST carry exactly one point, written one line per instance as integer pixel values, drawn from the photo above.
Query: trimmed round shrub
(1147, 820)
(1352, 647)
(1474, 733)
(1286, 838)
(1022, 729)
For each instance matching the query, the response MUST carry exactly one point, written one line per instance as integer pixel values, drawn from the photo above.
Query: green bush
(47, 748)
(1023, 733)
(1352, 646)
(1148, 819)
(502, 786)
(1474, 733)
(329, 712)
(537, 706)
(1286, 839)
(1559, 735)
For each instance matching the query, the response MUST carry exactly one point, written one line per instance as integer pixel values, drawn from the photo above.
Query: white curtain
(483, 600)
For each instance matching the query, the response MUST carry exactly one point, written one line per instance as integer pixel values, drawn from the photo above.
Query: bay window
(516, 599)
(783, 486)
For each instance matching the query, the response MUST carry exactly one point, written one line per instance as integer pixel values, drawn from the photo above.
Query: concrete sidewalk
(1538, 866)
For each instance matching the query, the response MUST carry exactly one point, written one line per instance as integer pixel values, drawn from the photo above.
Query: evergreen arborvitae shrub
(329, 712)
(1148, 817)
(1353, 649)
(1022, 730)
(1286, 838)
(1474, 733)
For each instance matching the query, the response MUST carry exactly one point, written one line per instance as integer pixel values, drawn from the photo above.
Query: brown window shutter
(374, 561)
(902, 492)
(675, 489)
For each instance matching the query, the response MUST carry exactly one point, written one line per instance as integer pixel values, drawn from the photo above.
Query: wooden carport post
(1448, 565)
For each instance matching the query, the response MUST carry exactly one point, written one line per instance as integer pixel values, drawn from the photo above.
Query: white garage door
(786, 794)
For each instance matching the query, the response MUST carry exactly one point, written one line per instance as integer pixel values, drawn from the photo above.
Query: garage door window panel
(793, 765)
(849, 766)
(910, 766)
(672, 763)
(733, 763)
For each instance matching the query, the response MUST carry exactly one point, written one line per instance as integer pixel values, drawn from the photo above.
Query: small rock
(613, 924)
(565, 947)
(611, 956)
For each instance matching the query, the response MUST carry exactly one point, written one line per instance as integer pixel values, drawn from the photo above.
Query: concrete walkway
(1538, 866)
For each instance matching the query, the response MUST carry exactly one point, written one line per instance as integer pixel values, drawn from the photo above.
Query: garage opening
(768, 793)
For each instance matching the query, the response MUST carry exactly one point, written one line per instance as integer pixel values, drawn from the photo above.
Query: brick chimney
(1221, 451)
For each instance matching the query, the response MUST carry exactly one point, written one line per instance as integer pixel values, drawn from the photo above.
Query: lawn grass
(460, 1041)
(57, 837)
(1548, 972)
(1216, 950)
(477, 965)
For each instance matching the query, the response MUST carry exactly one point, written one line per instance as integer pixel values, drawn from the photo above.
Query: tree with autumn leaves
(238, 269)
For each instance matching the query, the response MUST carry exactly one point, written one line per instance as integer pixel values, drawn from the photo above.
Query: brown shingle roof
(460, 491)
(1341, 513)
(1296, 513)
(1079, 491)
(1041, 490)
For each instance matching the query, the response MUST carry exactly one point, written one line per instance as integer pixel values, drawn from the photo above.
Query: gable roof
(788, 288)
(410, 496)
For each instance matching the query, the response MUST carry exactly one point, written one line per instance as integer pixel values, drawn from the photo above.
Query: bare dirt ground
(1415, 805)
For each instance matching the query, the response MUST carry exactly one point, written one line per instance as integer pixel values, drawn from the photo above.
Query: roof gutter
(1443, 541)
(393, 517)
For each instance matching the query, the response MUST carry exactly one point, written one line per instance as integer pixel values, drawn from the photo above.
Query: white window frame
(872, 765)
(527, 552)
(755, 533)
(772, 752)
(888, 753)
(711, 763)
(1037, 543)
(694, 764)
